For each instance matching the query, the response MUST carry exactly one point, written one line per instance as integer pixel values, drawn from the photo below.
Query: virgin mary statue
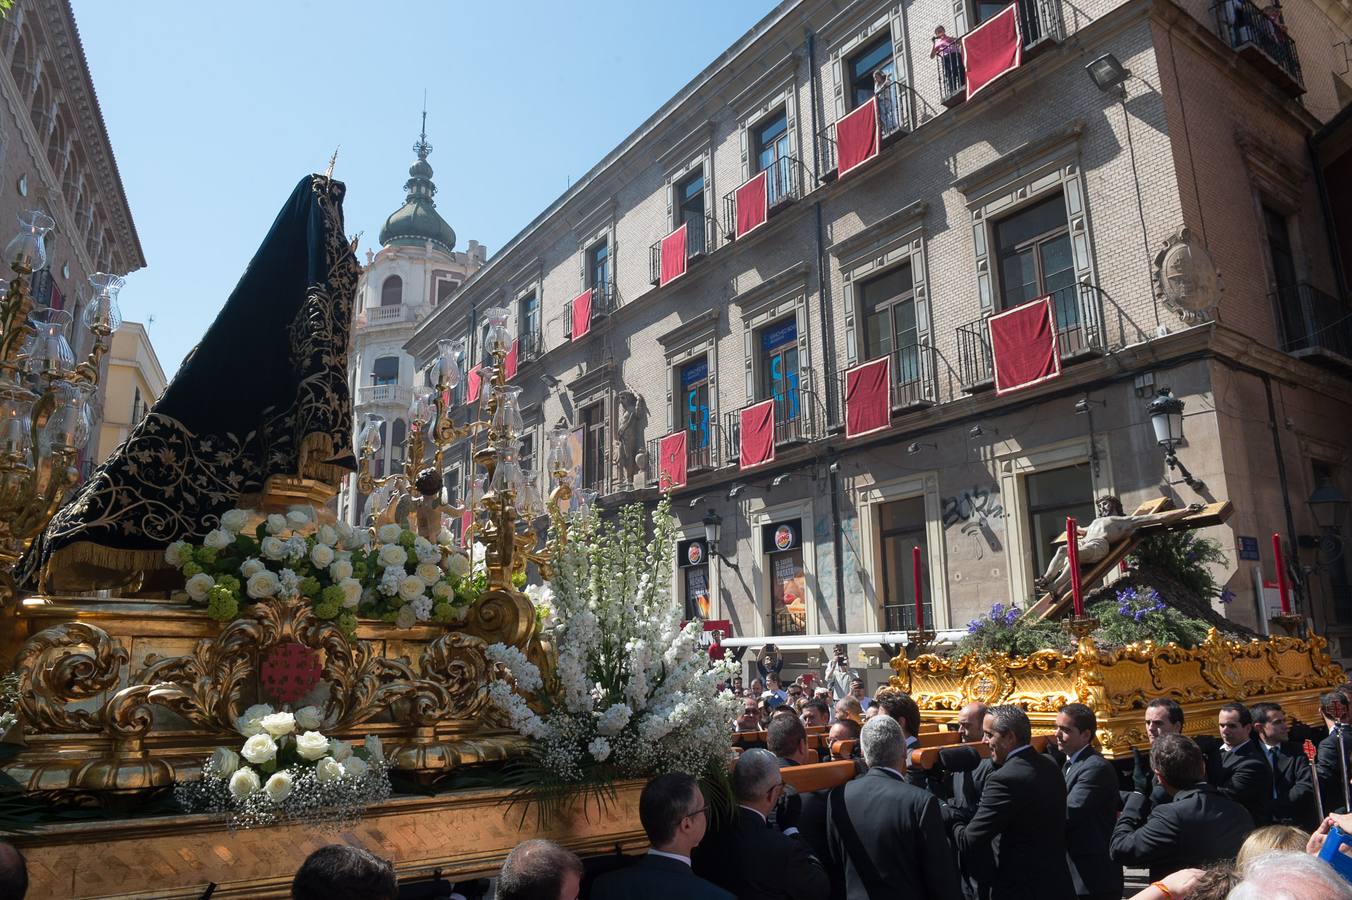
(260, 406)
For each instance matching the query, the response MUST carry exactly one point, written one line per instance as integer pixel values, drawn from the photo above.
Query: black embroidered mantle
(263, 395)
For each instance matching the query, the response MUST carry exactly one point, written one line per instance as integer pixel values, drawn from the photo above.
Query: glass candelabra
(503, 500)
(45, 415)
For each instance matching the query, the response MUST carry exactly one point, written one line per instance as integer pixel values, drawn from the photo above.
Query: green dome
(417, 221)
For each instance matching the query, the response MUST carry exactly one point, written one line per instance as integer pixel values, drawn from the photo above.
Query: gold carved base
(121, 697)
(465, 834)
(1118, 683)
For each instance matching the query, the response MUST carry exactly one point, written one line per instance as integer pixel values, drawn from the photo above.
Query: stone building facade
(415, 271)
(1041, 183)
(55, 156)
(135, 381)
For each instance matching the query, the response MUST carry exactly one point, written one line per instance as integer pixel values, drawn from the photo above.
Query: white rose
(327, 535)
(341, 570)
(339, 750)
(321, 555)
(312, 745)
(428, 572)
(298, 518)
(392, 555)
(177, 553)
(374, 749)
(259, 749)
(389, 534)
(243, 783)
(355, 766)
(224, 762)
(309, 718)
(234, 520)
(328, 769)
(218, 539)
(279, 724)
(273, 547)
(442, 590)
(262, 585)
(406, 618)
(248, 721)
(278, 787)
(445, 538)
(276, 523)
(251, 567)
(198, 586)
(458, 564)
(351, 589)
(412, 588)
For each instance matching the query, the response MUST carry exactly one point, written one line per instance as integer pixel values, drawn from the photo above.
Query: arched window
(385, 370)
(392, 291)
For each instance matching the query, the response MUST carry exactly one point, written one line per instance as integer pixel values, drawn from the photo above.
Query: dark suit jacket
(900, 833)
(1332, 772)
(757, 862)
(1091, 812)
(651, 877)
(1245, 776)
(809, 811)
(1199, 827)
(1293, 786)
(1008, 843)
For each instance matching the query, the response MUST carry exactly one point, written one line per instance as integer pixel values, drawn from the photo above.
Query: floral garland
(633, 693)
(403, 578)
(287, 770)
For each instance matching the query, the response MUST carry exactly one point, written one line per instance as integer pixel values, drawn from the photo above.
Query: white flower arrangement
(288, 771)
(633, 694)
(405, 579)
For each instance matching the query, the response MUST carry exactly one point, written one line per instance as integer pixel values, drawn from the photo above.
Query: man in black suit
(1239, 768)
(885, 834)
(1195, 829)
(787, 740)
(1010, 844)
(674, 816)
(1292, 780)
(1091, 805)
(749, 857)
(539, 868)
(1163, 715)
(1331, 759)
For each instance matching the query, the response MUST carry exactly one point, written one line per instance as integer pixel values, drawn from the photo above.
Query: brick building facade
(1041, 183)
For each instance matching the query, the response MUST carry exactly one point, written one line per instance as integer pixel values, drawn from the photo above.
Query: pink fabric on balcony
(671, 461)
(509, 362)
(673, 256)
(867, 405)
(582, 309)
(466, 519)
(857, 137)
(1023, 346)
(752, 201)
(992, 48)
(474, 379)
(757, 434)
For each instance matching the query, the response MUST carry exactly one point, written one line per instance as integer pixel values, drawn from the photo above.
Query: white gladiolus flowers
(632, 692)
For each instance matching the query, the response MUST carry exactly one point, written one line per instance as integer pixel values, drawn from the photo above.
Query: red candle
(1281, 574)
(1073, 561)
(919, 596)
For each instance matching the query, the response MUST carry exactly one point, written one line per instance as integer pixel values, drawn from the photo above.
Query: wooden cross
(1050, 605)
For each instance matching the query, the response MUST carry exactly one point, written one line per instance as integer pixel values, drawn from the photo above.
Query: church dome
(417, 221)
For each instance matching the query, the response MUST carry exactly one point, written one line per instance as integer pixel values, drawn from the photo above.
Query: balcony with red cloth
(669, 258)
(761, 196)
(698, 450)
(891, 115)
(790, 421)
(587, 308)
(988, 55)
(1078, 313)
(1263, 40)
(872, 392)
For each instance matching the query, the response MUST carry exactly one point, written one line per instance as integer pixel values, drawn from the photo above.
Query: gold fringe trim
(86, 566)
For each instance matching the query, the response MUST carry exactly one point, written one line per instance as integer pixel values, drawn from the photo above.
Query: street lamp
(1328, 506)
(713, 523)
(1107, 72)
(1166, 418)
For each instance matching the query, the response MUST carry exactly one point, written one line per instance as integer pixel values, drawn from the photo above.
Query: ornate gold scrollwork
(61, 665)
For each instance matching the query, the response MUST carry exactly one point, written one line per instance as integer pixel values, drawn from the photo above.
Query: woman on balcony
(887, 114)
(949, 51)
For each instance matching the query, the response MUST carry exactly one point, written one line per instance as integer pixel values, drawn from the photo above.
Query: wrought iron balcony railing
(783, 185)
(894, 119)
(700, 238)
(1039, 22)
(913, 379)
(1079, 331)
(701, 451)
(604, 301)
(530, 346)
(796, 422)
(1262, 39)
(1313, 322)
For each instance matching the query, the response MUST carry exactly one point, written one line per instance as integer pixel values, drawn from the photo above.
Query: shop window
(692, 563)
(781, 544)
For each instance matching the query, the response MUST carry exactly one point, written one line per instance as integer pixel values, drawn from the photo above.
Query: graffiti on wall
(974, 510)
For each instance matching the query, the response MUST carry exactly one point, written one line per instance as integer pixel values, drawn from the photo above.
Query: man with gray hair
(1010, 845)
(749, 857)
(888, 835)
(1290, 875)
(540, 870)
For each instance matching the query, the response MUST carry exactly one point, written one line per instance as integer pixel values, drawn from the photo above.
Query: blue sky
(215, 111)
